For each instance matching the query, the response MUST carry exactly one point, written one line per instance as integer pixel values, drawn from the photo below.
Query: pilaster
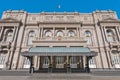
(41, 32)
(118, 34)
(35, 61)
(106, 49)
(7, 62)
(78, 33)
(2, 28)
(53, 33)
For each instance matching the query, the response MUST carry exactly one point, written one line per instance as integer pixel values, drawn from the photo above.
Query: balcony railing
(5, 44)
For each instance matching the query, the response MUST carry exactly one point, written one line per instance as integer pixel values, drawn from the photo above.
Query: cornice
(59, 22)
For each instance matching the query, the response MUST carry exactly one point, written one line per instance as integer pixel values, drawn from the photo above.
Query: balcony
(114, 44)
(60, 42)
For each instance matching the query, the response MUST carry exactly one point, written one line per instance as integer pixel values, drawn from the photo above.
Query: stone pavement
(24, 75)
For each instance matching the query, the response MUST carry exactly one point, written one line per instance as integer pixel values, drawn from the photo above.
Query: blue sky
(66, 5)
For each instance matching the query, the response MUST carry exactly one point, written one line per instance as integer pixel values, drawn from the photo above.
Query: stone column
(35, 61)
(84, 61)
(67, 60)
(38, 61)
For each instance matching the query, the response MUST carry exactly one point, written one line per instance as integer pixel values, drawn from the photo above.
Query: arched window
(31, 37)
(59, 34)
(71, 33)
(2, 60)
(88, 37)
(110, 35)
(26, 63)
(9, 36)
(48, 33)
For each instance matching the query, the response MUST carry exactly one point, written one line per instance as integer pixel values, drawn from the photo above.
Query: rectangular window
(92, 63)
(116, 61)
(2, 60)
(26, 63)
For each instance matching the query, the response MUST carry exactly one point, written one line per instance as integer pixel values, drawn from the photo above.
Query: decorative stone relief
(70, 18)
(48, 17)
(106, 16)
(60, 18)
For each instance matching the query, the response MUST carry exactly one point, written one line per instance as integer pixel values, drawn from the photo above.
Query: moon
(59, 6)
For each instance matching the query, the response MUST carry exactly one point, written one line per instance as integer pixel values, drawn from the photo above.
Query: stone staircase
(93, 75)
(105, 72)
(14, 73)
(60, 76)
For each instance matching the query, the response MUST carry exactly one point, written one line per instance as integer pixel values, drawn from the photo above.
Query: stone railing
(5, 44)
(114, 44)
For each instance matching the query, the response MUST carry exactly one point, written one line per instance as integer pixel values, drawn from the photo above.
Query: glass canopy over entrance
(57, 59)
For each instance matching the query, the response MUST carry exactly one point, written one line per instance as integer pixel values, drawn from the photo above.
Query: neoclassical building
(59, 40)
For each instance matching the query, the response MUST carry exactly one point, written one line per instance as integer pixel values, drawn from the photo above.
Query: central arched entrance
(61, 59)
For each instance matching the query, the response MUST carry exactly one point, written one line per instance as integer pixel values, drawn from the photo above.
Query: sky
(82, 6)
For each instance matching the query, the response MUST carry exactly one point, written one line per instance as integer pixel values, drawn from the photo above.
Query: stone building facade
(20, 31)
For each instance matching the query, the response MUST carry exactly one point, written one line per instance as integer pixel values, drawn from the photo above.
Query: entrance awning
(59, 51)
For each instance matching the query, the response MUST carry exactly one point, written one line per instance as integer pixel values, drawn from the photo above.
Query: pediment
(111, 20)
(5, 20)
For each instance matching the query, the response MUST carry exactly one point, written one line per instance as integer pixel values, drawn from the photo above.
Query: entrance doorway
(73, 62)
(59, 61)
(46, 62)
